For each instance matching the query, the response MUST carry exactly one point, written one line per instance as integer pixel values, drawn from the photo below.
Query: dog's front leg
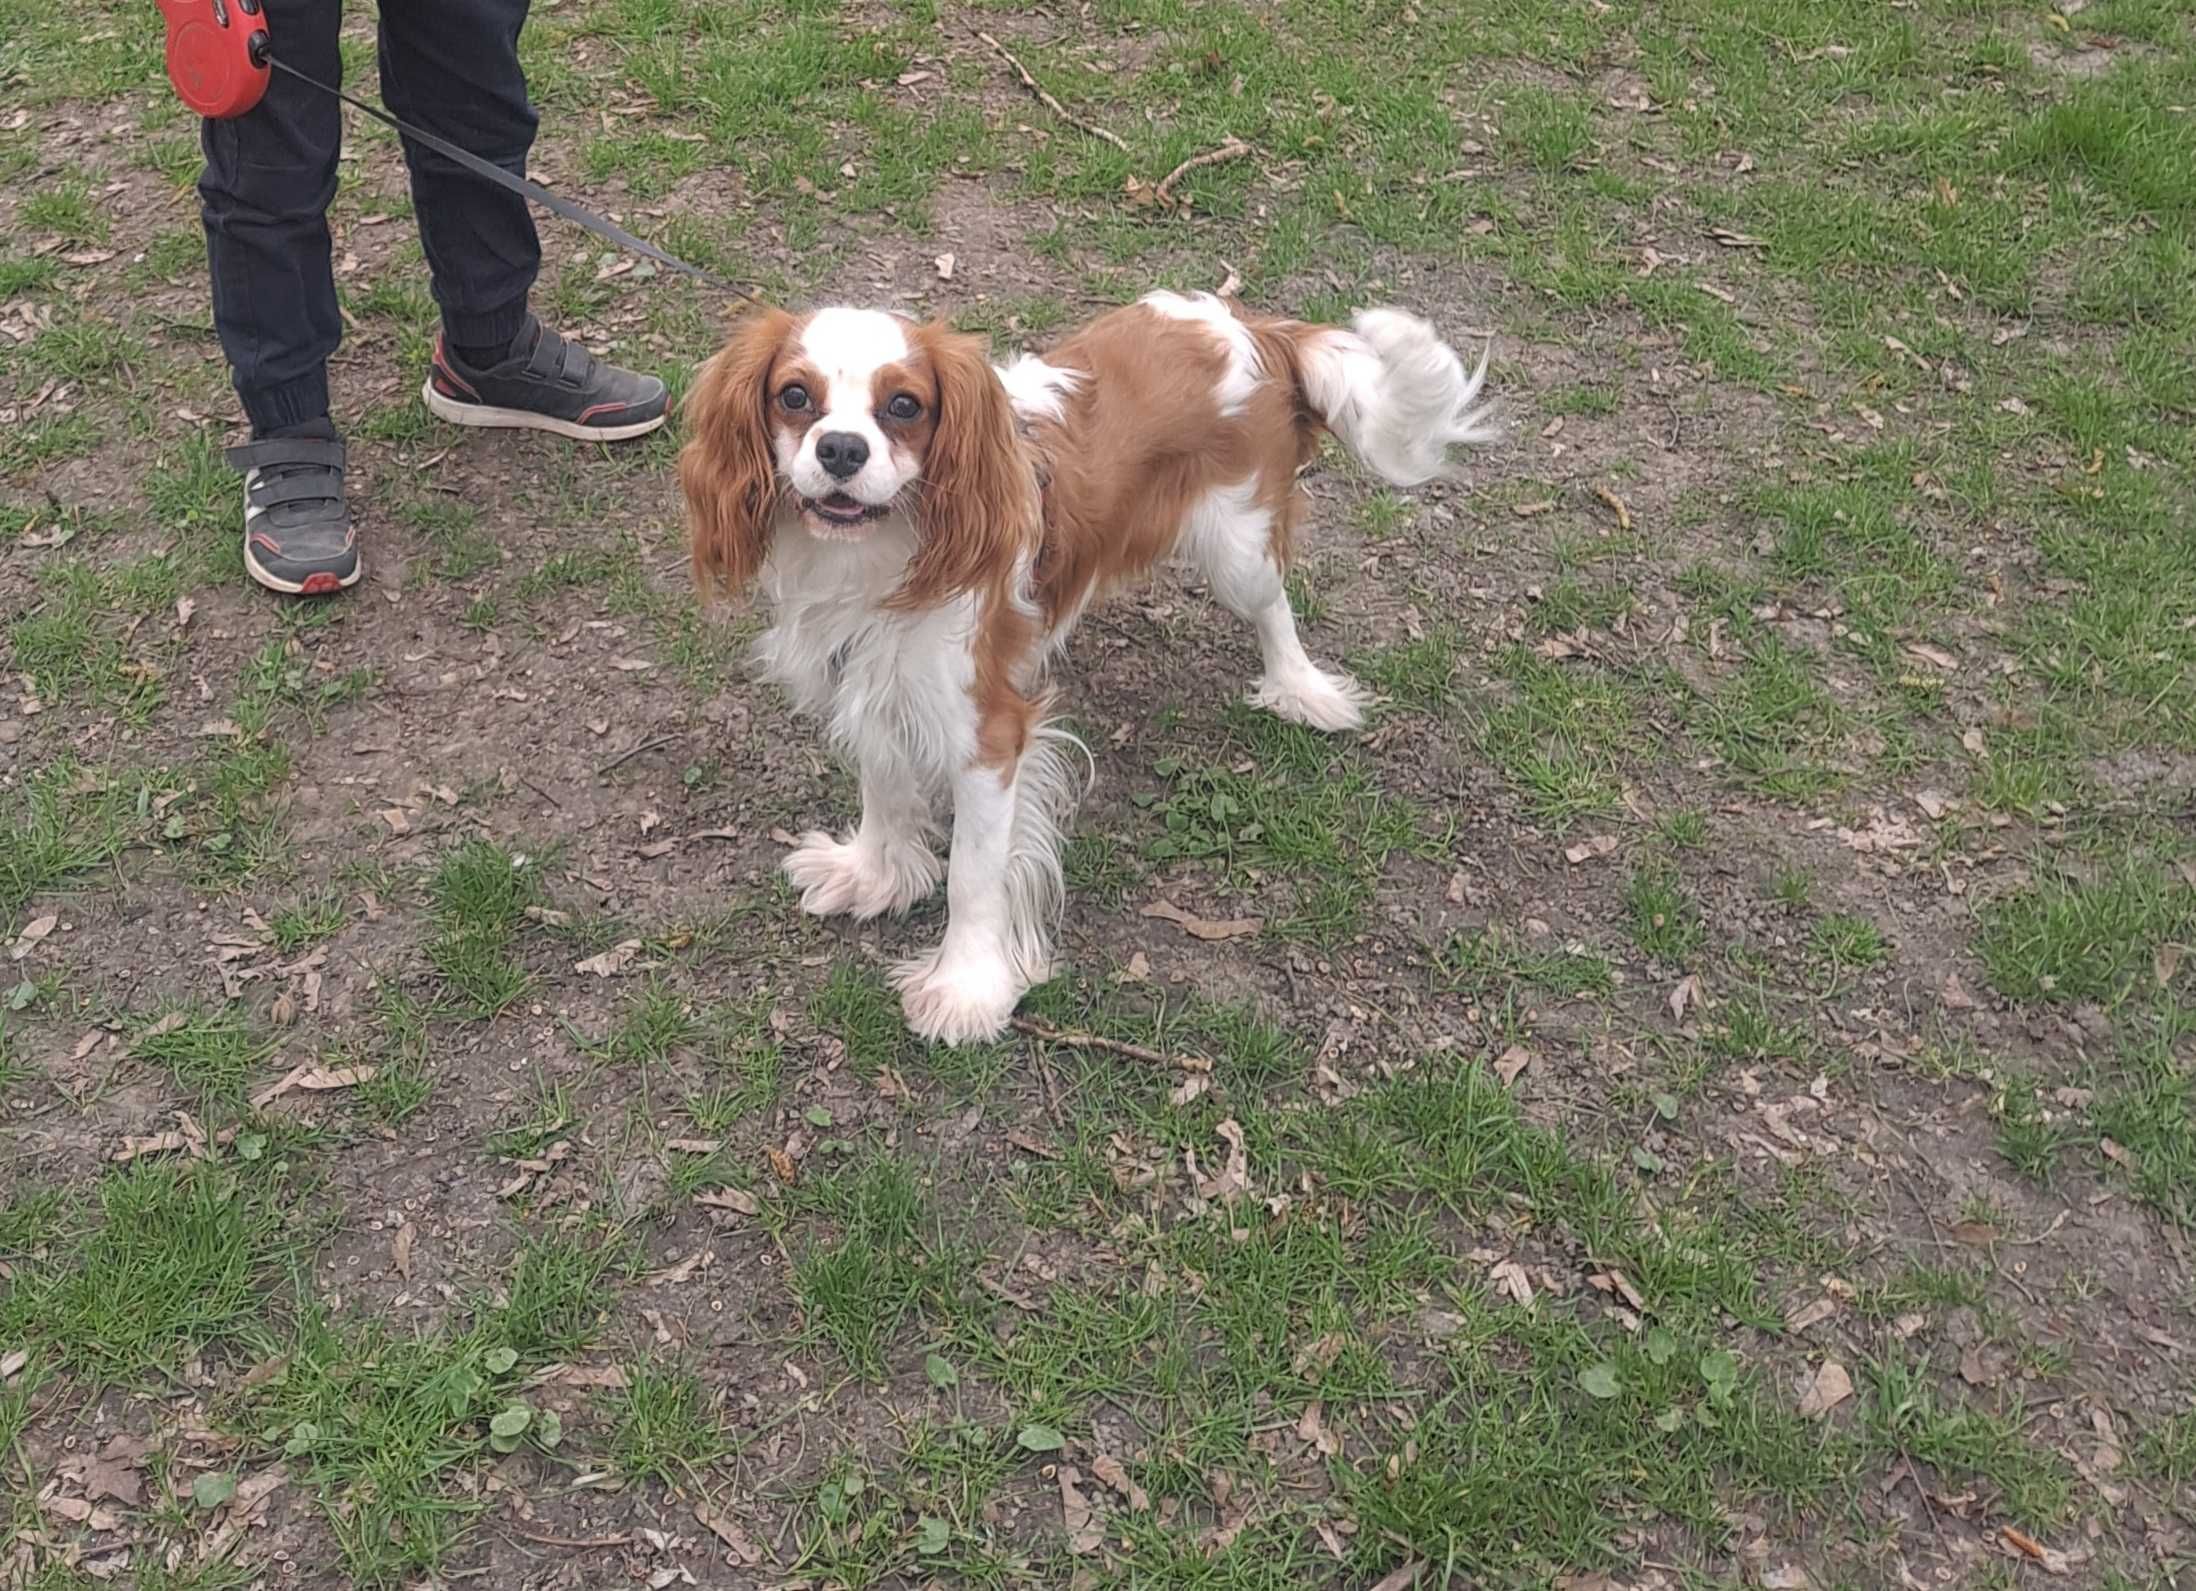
(886, 865)
(966, 990)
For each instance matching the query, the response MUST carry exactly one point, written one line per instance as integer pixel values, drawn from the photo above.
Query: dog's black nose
(841, 453)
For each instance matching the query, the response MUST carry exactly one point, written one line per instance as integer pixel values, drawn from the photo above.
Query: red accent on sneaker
(266, 543)
(320, 585)
(594, 409)
(450, 376)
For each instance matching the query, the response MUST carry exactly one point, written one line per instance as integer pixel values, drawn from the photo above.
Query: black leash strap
(579, 215)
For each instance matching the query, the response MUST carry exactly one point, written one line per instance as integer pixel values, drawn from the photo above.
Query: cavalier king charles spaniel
(928, 527)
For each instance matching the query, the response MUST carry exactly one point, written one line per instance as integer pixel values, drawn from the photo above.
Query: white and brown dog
(927, 529)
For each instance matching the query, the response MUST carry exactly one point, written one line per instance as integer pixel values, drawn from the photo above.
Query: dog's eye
(794, 398)
(903, 406)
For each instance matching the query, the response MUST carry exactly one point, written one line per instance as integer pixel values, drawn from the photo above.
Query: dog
(927, 527)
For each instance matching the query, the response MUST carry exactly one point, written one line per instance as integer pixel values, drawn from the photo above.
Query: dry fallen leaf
(107, 1477)
(735, 1199)
(316, 1078)
(1111, 1472)
(400, 1250)
(1685, 995)
(1808, 1315)
(1311, 1429)
(945, 267)
(1514, 1060)
(728, 1530)
(1232, 1181)
(781, 1165)
(1397, 1579)
(1205, 928)
(2049, 1559)
(33, 932)
(1831, 1386)
(1955, 995)
(1233, 1515)
(158, 1143)
(611, 961)
(1934, 654)
(1585, 850)
(2165, 962)
(1084, 1531)
(1510, 1278)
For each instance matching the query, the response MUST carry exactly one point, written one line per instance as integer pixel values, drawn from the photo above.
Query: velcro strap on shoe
(287, 450)
(294, 489)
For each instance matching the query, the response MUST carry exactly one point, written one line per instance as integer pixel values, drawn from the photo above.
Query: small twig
(1092, 1041)
(1047, 100)
(572, 1541)
(545, 795)
(1051, 1086)
(624, 757)
(1233, 149)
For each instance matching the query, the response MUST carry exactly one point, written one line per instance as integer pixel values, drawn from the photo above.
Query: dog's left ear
(728, 472)
(978, 510)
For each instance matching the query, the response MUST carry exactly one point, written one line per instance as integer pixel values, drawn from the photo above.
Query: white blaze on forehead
(848, 347)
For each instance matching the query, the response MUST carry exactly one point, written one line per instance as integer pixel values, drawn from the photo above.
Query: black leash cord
(578, 215)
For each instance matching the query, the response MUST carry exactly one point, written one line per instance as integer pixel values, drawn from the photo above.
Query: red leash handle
(217, 54)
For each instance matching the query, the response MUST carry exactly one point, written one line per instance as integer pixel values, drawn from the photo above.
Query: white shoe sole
(526, 420)
(296, 588)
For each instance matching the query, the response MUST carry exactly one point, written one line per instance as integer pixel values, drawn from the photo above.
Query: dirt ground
(1696, 1094)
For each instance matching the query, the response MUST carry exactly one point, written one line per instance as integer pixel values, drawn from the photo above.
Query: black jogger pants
(450, 66)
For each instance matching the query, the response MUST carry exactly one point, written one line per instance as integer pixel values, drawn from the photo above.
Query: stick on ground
(1092, 1041)
(1046, 99)
(1233, 149)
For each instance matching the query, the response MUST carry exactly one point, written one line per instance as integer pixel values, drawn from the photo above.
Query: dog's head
(830, 424)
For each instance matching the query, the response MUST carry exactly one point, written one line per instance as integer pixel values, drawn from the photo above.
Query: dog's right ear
(728, 470)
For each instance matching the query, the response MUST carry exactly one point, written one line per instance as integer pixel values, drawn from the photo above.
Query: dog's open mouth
(839, 511)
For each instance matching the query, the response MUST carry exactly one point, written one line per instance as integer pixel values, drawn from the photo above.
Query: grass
(155, 1263)
(1562, 739)
(2087, 938)
(1476, 963)
(213, 1054)
(1666, 924)
(879, 1261)
(1437, 1218)
(478, 898)
(664, 1427)
(1283, 802)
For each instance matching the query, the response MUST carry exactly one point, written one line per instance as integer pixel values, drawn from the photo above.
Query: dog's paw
(1313, 698)
(965, 999)
(841, 878)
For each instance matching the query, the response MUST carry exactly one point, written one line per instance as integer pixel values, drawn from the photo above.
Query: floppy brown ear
(728, 472)
(978, 506)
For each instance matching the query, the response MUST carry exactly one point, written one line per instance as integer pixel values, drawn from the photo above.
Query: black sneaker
(298, 536)
(547, 384)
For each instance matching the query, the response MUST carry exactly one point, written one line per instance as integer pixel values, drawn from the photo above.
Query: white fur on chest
(885, 684)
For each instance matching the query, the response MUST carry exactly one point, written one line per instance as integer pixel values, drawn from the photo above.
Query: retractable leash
(220, 60)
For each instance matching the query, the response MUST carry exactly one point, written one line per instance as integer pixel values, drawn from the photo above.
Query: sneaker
(298, 536)
(547, 384)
